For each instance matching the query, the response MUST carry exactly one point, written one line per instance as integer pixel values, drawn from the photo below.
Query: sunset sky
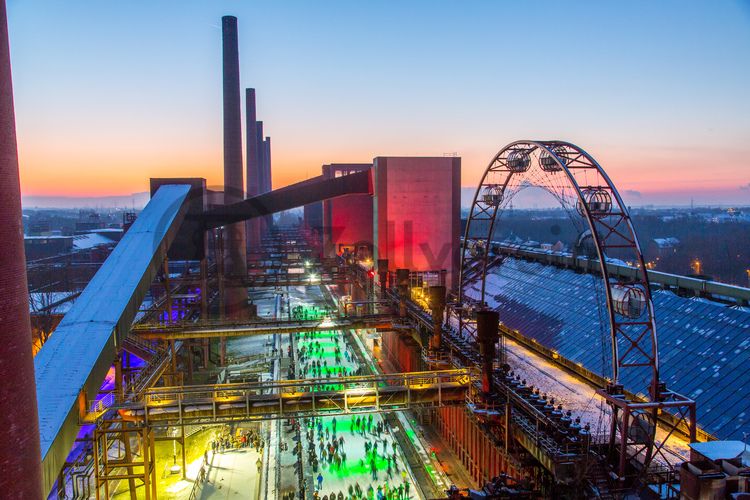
(110, 93)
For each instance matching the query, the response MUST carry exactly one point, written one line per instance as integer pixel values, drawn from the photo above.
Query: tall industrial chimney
(267, 176)
(253, 167)
(236, 258)
(262, 227)
(20, 457)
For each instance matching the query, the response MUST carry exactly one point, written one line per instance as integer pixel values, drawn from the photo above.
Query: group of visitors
(328, 355)
(383, 491)
(242, 439)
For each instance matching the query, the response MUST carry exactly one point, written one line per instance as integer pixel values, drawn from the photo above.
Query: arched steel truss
(580, 185)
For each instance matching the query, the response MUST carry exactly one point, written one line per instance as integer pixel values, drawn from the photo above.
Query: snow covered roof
(90, 240)
(50, 237)
(704, 346)
(666, 242)
(723, 450)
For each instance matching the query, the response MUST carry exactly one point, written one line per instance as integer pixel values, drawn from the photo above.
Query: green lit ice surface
(357, 467)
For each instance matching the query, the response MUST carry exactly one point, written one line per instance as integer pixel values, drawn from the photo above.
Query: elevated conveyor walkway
(70, 367)
(167, 406)
(213, 329)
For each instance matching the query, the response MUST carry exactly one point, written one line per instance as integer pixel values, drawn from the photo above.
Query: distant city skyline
(110, 94)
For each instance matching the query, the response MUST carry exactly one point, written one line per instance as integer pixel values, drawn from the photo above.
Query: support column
(119, 392)
(167, 290)
(20, 461)
(222, 295)
(437, 305)
(402, 281)
(128, 459)
(222, 351)
(189, 361)
(173, 362)
(488, 322)
(220, 273)
(184, 461)
(204, 288)
(204, 306)
(383, 276)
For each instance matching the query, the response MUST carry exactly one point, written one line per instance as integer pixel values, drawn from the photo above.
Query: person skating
(320, 481)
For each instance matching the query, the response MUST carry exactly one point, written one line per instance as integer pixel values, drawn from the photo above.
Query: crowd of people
(303, 313)
(381, 458)
(225, 441)
(312, 358)
(377, 474)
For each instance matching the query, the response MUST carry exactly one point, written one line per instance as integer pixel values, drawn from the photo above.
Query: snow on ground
(573, 393)
(233, 474)
(576, 395)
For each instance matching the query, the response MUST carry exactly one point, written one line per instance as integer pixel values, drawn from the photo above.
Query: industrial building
(374, 350)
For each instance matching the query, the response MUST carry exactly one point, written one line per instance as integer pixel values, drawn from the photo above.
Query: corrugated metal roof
(91, 240)
(704, 346)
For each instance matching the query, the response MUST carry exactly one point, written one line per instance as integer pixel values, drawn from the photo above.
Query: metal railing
(410, 379)
(287, 398)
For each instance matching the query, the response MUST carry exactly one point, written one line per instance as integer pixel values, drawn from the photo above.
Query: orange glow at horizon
(95, 172)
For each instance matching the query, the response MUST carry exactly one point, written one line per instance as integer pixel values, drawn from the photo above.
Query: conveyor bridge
(216, 403)
(213, 329)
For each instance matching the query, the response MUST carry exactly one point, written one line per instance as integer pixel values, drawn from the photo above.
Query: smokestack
(20, 458)
(267, 170)
(261, 150)
(261, 222)
(267, 176)
(254, 183)
(236, 260)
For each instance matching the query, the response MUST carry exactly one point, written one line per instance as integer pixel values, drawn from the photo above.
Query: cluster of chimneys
(258, 173)
(242, 237)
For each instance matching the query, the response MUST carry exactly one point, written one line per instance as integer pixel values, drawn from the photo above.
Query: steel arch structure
(584, 189)
(579, 183)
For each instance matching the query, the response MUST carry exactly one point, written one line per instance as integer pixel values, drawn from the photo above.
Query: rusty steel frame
(107, 469)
